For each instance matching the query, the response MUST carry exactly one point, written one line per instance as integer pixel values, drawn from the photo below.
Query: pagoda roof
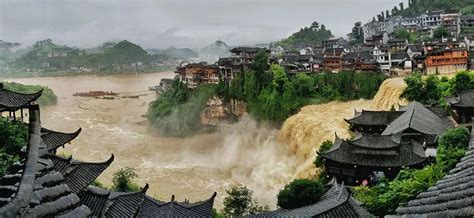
(336, 202)
(14, 100)
(462, 99)
(248, 49)
(376, 118)
(452, 196)
(152, 207)
(104, 202)
(80, 174)
(126, 204)
(419, 118)
(96, 199)
(376, 151)
(54, 139)
(33, 188)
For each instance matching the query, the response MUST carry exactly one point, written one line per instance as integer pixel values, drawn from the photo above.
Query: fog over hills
(181, 23)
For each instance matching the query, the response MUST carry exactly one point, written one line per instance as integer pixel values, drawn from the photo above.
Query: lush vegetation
(122, 180)
(300, 192)
(419, 6)
(272, 95)
(239, 202)
(13, 137)
(433, 90)
(48, 97)
(177, 111)
(323, 148)
(307, 36)
(385, 197)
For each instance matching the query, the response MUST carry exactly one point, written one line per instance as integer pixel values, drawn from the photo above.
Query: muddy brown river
(190, 168)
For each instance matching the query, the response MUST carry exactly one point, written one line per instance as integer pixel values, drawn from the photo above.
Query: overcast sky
(180, 23)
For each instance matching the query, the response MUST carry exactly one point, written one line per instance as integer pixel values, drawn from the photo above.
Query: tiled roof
(419, 118)
(376, 150)
(462, 99)
(80, 174)
(415, 48)
(15, 100)
(375, 118)
(54, 139)
(336, 202)
(126, 205)
(248, 49)
(96, 199)
(33, 188)
(151, 207)
(452, 196)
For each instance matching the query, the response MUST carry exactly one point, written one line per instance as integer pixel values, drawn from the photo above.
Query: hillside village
(443, 45)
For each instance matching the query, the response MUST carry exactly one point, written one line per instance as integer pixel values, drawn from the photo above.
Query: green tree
(451, 147)
(357, 34)
(122, 180)
(403, 33)
(415, 87)
(303, 85)
(299, 193)
(13, 137)
(323, 148)
(440, 32)
(279, 77)
(463, 81)
(238, 202)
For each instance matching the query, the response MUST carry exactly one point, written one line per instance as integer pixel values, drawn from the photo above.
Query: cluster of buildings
(224, 69)
(393, 57)
(44, 184)
(423, 23)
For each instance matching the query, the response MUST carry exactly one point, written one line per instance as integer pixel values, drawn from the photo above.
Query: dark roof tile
(54, 139)
(80, 174)
(15, 100)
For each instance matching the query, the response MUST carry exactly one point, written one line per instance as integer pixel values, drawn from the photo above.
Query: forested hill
(418, 6)
(307, 36)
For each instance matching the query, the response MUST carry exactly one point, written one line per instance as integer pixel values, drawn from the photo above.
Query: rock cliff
(217, 111)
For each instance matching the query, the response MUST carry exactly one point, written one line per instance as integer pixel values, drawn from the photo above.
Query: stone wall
(447, 69)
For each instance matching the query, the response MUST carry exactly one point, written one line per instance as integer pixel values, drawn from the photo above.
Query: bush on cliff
(48, 97)
(177, 112)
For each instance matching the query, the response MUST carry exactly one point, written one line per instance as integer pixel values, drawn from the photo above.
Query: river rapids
(193, 168)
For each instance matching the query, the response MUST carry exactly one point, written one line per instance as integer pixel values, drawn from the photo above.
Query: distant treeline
(433, 90)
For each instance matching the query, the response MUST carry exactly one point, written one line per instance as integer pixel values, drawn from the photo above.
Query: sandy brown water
(192, 168)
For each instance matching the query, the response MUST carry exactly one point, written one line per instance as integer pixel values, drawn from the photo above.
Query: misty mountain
(9, 51)
(173, 52)
(215, 51)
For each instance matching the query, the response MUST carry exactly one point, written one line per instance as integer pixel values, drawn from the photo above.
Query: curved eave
(379, 165)
(29, 98)
(54, 139)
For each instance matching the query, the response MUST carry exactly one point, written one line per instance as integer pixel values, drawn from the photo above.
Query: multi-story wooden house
(444, 61)
(194, 74)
